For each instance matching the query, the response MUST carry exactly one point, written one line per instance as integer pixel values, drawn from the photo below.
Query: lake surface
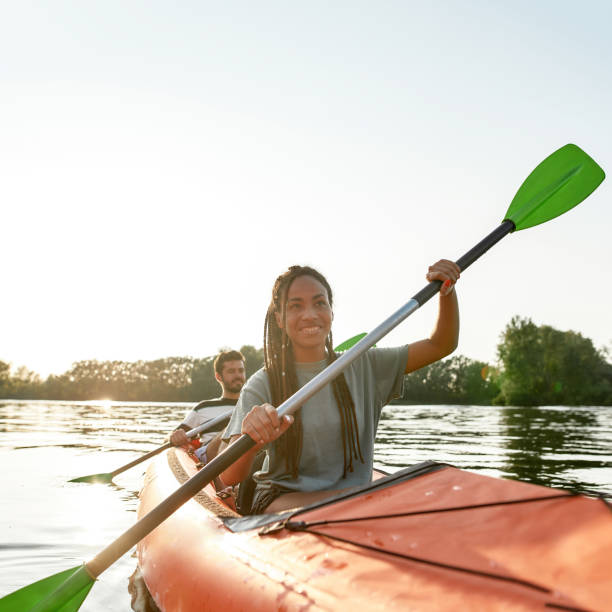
(48, 524)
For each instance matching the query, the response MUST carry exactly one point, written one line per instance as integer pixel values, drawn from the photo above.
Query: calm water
(48, 524)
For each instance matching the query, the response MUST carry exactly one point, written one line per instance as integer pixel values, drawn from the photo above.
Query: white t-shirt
(206, 411)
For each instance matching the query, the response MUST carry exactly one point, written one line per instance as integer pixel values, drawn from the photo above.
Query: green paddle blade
(62, 592)
(346, 345)
(559, 183)
(94, 478)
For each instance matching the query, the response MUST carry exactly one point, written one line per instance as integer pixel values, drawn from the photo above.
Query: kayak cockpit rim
(274, 521)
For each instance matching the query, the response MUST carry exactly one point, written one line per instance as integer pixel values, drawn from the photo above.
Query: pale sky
(161, 163)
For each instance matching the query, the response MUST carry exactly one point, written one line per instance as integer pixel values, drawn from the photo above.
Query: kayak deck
(430, 537)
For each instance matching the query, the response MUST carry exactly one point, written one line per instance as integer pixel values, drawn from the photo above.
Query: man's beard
(235, 386)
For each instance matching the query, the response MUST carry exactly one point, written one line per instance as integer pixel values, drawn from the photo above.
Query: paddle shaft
(208, 426)
(560, 182)
(290, 405)
(161, 512)
(243, 444)
(148, 455)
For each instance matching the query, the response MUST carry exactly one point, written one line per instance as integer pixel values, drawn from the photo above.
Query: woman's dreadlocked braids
(280, 367)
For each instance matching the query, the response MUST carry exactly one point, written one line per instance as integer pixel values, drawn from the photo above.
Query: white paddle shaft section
(208, 424)
(289, 406)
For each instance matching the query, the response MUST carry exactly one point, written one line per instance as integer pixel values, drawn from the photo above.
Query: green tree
(203, 383)
(169, 379)
(254, 358)
(457, 380)
(544, 366)
(5, 379)
(429, 385)
(22, 383)
(472, 381)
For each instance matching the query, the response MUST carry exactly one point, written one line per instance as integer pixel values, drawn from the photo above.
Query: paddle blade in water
(94, 478)
(62, 592)
(559, 183)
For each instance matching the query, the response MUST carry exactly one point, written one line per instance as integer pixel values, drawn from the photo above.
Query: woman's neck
(309, 355)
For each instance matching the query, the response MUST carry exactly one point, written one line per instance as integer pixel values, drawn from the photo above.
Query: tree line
(172, 379)
(537, 365)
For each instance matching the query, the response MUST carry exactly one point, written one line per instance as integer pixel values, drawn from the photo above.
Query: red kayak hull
(440, 539)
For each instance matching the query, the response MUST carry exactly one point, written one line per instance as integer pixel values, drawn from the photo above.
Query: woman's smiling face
(308, 318)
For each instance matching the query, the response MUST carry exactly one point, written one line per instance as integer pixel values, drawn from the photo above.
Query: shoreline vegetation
(537, 366)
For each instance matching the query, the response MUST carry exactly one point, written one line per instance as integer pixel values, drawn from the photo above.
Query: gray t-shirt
(373, 379)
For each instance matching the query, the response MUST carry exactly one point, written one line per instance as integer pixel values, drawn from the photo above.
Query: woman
(327, 446)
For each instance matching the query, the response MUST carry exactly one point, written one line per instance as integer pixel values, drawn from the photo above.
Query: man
(231, 375)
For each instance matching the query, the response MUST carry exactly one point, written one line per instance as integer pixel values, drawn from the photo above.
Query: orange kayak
(428, 538)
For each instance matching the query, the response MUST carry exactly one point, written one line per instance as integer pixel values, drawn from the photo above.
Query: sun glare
(105, 404)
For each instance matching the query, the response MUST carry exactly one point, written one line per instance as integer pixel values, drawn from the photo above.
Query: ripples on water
(49, 524)
(554, 446)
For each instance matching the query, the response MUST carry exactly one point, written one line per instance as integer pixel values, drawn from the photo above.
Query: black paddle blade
(560, 182)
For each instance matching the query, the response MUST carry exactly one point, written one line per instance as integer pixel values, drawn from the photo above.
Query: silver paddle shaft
(290, 405)
(209, 424)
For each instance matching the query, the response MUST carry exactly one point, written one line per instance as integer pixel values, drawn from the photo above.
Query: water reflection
(120, 425)
(554, 446)
(547, 444)
(50, 521)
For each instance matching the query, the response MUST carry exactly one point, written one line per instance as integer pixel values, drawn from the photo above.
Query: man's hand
(179, 438)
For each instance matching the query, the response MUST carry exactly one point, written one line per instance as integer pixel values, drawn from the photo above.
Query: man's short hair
(224, 356)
